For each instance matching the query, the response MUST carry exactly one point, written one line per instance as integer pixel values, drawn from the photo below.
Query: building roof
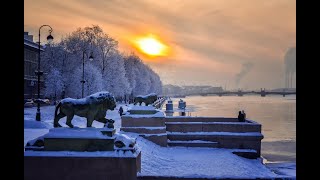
(32, 44)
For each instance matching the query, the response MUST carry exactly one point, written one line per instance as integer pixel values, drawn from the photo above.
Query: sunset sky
(208, 42)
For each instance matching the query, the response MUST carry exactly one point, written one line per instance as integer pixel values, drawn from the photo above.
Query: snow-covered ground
(168, 161)
(197, 162)
(288, 169)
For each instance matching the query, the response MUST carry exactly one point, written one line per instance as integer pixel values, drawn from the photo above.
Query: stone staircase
(193, 143)
(186, 131)
(151, 128)
(214, 132)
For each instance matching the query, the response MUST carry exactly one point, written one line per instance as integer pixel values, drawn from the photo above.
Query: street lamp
(91, 59)
(38, 72)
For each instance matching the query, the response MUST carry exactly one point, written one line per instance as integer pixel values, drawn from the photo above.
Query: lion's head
(104, 97)
(110, 103)
(153, 97)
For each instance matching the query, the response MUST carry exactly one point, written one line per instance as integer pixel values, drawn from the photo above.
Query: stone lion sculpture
(147, 99)
(93, 107)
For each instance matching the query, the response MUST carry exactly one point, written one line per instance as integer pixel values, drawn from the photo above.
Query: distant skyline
(233, 43)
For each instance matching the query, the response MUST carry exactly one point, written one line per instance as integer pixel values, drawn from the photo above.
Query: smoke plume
(290, 60)
(246, 67)
(290, 67)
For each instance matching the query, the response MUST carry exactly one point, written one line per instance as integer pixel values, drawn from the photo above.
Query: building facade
(31, 53)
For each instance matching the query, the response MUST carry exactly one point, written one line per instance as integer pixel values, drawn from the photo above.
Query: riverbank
(170, 161)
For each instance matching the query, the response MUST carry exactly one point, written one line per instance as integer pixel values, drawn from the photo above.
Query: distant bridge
(262, 93)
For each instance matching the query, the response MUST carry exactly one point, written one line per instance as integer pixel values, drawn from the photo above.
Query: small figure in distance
(240, 117)
(120, 110)
(244, 115)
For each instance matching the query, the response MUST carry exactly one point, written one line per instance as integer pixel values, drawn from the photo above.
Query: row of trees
(119, 73)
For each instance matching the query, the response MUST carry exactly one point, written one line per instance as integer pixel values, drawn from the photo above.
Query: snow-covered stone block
(124, 143)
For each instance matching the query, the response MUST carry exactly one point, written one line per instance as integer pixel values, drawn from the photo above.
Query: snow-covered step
(145, 130)
(199, 119)
(142, 121)
(213, 136)
(230, 140)
(212, 127)
(34, 148)
(246, 153)
(160, 139)
(193, 143)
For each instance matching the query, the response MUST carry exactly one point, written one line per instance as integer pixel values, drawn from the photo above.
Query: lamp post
(39, 73)
(91, 59)
(32, 86)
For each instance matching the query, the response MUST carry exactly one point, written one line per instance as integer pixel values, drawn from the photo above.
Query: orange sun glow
(151, 46)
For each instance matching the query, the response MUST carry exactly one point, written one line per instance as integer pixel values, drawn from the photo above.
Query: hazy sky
(212, 42)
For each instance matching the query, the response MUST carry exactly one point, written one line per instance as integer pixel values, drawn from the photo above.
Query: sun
(151, 46)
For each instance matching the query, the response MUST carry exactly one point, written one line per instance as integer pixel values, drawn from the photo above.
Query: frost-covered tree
(131, 68)
(53, 84)
(103, 45)
(158, 84)
(93, 78)
(93, 81)
(143, 82)
(53, 57)
(142, 79)
(115, 79)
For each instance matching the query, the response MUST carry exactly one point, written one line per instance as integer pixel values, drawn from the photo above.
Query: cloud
(216, 34)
